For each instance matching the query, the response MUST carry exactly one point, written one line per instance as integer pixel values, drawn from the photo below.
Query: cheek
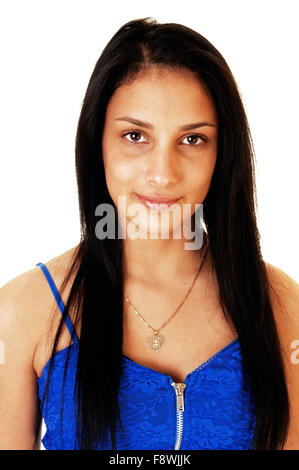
(118, 171)
(200, 179)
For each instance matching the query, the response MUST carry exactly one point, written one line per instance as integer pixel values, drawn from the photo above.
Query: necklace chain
(157, 344)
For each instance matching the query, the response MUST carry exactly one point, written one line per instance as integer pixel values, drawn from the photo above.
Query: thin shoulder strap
(59, 302)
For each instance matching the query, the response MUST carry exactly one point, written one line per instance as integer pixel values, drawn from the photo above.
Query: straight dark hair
(96, 296)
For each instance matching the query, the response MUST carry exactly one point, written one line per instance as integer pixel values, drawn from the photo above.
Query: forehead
(169, 93)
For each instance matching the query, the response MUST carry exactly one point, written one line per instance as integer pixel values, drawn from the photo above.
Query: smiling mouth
(156, 203)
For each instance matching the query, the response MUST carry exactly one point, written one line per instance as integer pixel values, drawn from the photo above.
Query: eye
(194, 139)
(136, 137)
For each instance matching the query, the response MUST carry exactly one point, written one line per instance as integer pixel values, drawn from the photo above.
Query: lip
(156, 202)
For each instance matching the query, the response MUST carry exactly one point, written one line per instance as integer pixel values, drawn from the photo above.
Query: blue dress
(210, 410)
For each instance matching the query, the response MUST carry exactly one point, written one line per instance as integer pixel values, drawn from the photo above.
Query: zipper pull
(179, 390)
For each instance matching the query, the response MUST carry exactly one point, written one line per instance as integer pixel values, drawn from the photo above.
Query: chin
(153, 230)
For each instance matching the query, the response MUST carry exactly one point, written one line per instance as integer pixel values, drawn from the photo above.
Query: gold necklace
(155, 341)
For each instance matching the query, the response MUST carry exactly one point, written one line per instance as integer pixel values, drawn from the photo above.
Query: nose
(163, 168)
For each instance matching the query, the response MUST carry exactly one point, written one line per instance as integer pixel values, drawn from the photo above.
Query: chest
(197, 332)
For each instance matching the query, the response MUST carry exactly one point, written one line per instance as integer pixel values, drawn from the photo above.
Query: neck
(161, 261)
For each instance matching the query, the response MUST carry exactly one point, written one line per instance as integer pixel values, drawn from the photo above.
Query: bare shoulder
(284, 294)
(26, 305)
(60, 264)
(26, 289)
(284, 297)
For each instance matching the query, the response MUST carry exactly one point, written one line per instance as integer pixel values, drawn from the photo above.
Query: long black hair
(230, 219)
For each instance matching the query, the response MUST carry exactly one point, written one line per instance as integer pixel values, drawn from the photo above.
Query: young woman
(159, 345)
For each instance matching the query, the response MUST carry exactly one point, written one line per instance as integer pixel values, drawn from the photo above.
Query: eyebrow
(186, 127)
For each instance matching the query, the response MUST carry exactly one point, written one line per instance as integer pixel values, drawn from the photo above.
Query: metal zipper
(179, 391)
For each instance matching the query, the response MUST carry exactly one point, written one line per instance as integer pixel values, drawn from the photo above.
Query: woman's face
(160, 141)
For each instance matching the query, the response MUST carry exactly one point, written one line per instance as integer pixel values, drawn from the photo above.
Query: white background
(48, 51)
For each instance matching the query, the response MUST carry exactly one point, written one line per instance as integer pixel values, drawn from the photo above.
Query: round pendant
(155, 341)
